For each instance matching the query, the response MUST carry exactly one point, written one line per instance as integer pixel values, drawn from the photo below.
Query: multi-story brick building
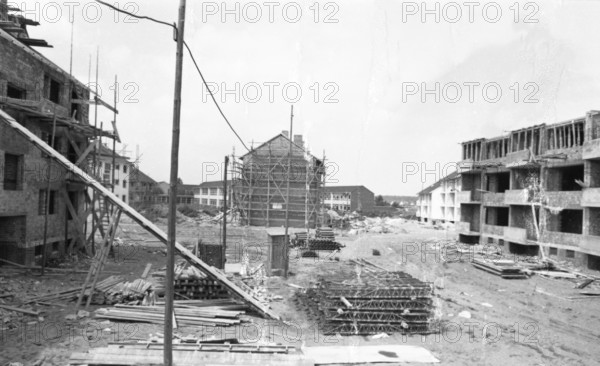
(550, 171)
(39, 94)
(349, 198)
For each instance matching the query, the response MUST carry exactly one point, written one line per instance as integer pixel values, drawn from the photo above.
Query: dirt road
(512, 322)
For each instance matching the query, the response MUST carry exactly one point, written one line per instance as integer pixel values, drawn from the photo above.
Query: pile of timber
(111, 290)
(186, 314)
(72, 293)
(377, 301)
(504, 268)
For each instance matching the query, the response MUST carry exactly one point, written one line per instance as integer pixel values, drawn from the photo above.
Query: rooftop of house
(211, 184)
(297, 142)
(106, 151)
(437, 184)
(342, 189)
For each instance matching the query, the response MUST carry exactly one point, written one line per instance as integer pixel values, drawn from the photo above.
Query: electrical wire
(193, 60)
(213, 96)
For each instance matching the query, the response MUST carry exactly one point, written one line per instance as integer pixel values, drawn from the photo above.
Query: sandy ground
(513, 322)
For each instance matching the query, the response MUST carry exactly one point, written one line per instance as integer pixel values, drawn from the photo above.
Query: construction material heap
(374, 302)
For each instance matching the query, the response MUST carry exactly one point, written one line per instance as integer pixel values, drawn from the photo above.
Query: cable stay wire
(193, 60)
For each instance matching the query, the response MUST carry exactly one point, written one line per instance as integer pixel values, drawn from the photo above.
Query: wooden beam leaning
(73, 212)
(87, 151)
(137, 217)
(106, 247)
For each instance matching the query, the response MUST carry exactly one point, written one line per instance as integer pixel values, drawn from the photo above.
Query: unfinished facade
(39, 94)
(547, 172)
(260, 184)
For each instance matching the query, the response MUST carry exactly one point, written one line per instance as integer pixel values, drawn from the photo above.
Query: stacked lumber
(185, 314)
(377, 301)
(504, 268)
(72, 293)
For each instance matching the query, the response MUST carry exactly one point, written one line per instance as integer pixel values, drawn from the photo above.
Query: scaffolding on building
(258, 182)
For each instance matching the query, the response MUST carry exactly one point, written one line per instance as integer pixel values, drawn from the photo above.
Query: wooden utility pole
(114, 136)
(94, 164)
(171, 236)
(287, 201)
(224, 248)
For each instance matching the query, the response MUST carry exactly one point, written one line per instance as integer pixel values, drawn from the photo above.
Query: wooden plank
(325, 355)
(147, 270)
(87, 151)
(137, 217)
(18, 310)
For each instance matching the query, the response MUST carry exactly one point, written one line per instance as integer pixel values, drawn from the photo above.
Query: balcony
(463, 227)
(493, 230)
(516, 197)
(590, 197)
(468, 197)
(590, 244)
(494, 199)
(564, 239)
(564, 199)
(43, 105)
(591, 150)
(515, 235)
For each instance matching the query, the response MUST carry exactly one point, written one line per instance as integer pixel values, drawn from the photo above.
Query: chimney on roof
(298, 140)
(286, 133)
(3, 9)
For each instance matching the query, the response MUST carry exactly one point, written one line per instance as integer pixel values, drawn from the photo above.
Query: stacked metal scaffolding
(259, 187)
(375, 302)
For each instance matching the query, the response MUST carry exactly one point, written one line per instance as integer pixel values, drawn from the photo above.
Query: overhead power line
(193, 60)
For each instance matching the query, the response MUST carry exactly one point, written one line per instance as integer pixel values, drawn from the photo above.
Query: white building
(211, 194)
(122, 172)
(438, 202)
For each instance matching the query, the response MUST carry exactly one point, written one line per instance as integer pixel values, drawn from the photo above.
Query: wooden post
(171, 236)
(114, 158)
(287, 201)
(94, 164)
(224, 248)
(48, 194)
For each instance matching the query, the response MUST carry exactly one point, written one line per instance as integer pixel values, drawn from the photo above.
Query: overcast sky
(362, 68)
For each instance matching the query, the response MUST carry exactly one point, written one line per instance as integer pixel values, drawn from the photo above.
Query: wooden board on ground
(128, 356)
(368, 354)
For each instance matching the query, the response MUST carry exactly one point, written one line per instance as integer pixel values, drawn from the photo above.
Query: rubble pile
(377, 225)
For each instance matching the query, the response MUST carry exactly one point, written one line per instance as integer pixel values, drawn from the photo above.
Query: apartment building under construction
(551, 171)
(42, 207)
(261, 178)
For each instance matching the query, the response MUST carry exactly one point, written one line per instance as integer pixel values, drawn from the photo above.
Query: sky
(385, 90)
